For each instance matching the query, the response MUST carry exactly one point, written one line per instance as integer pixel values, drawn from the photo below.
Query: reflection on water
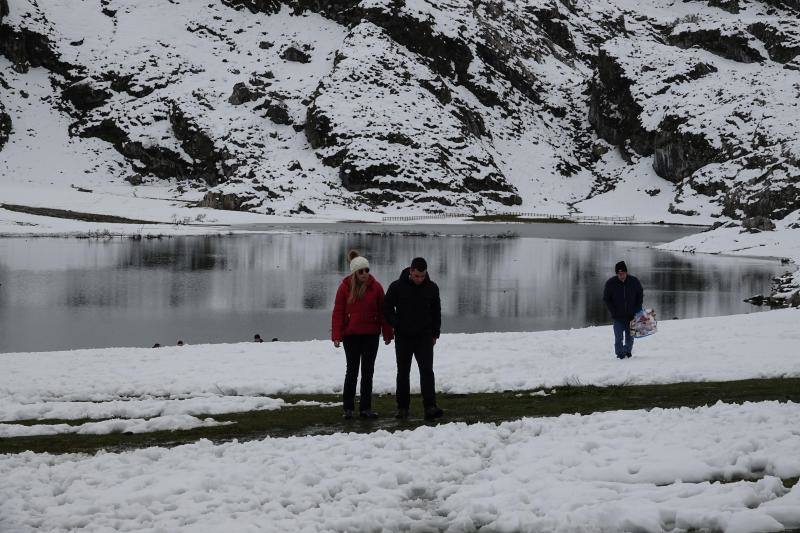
(61, 294)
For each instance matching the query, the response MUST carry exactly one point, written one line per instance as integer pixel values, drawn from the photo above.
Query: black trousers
(359, 349)
(407, 348)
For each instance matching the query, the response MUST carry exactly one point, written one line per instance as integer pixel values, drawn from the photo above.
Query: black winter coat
(413, 310)
(623, 299)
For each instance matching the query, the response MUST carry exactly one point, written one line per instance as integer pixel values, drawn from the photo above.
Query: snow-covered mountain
(686, 109)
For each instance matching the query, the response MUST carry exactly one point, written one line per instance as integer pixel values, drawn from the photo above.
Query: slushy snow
(647, 471)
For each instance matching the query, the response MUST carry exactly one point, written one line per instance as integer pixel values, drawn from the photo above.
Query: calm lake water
(69, 293)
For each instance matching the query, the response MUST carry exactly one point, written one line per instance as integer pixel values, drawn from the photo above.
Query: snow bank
(137, 425)
(37, 385)
(647, 471)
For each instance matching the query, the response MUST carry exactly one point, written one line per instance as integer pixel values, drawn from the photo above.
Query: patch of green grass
(468, 408)
(73, 215)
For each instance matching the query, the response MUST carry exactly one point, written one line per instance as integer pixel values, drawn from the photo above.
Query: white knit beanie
(358, 263)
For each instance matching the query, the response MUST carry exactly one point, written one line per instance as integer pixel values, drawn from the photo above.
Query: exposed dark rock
(793, 5)
(356, 176)
(137, 88)
(494, 187)
(26, 49)
(399, 138)
(198, 144)
(292, 53)
(763, 198)
(301, 209)
(265, 45)
(473, 121)
(242, 94)
(277, 112)
(86, 95)
(677, 153)
(758, 223)
(448, 56)
(5, 126)
(157, 160)
(734, 45)
(256, 6)
(3, 9)
(552, 21)
(218, 200)
(613, 112)
(505, 198)
(784, 293)
(106, 130)
(439, 89)
(695, 73)
(781, 46)
(135, 179)
(318, 129)
(731, 6)
(496, 52)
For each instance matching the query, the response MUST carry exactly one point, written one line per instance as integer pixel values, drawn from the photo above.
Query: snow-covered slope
(678, 111)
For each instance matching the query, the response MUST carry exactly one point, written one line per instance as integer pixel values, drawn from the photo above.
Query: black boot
(368, 414)
(348, 414)
(433, 412)
(401, 414)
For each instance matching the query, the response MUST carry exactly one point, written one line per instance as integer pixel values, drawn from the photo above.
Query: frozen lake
(69, 293)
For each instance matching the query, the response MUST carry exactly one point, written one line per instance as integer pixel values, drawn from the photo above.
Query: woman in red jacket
(357, 322)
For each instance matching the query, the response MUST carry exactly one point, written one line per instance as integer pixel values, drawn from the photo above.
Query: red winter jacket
(361, 317)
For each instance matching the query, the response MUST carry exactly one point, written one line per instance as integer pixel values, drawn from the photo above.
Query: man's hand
(434, 341)
(387, 342)
(336, 344)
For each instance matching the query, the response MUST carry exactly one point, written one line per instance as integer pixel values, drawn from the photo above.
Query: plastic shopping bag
(644, 324)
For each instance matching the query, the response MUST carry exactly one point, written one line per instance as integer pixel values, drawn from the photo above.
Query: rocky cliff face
(286, 106)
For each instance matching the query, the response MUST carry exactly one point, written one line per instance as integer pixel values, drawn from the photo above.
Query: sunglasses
(362, 271)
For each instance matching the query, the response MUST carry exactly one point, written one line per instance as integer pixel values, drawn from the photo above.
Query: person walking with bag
(413, 308)
(623, 295)
(357, 322)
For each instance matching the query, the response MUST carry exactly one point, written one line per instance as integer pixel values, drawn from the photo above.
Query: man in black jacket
(413, 308)
(623, 296)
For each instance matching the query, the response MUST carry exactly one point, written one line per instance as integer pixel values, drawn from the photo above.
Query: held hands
(387, 342)
(336, 344)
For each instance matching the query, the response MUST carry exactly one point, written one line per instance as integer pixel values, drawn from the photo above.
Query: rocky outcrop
(393, 135)
(772, 193)
(242, 93)
(782, 40)
(159, 161)
(86, 94)
(730, 43)
(293, 53)
(219, 200)
(5, 126)
(731, 6)
(613, 112)
(678, 153)
(26, 49)
(208, 160)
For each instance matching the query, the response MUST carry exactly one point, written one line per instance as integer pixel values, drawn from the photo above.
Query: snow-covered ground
(646, 471)
(716, 468)
(215, 378)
